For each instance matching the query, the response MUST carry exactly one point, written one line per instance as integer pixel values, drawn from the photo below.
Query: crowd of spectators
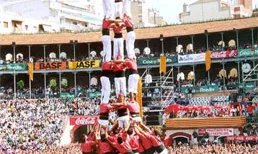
(214, 149)
(36, 124)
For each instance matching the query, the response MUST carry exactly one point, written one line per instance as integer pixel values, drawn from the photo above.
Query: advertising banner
(50, 66)
(209, 88)
(191, 58)
(83, 120)
(247, 52)
(66, 95)
(224, 54)
(155, 60)
(1, 67)
(242, 138)
(16, 67)
(84, 64)
(216, 131)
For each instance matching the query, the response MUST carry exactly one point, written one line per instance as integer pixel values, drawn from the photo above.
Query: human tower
(128, 134)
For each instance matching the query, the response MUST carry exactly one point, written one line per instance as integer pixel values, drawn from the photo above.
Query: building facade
(207, 10)
(26, 16)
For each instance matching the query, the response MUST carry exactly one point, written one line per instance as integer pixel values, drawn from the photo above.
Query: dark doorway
(80, 132)
(180, 140)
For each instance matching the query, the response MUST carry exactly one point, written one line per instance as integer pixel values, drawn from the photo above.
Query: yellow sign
(84, 64)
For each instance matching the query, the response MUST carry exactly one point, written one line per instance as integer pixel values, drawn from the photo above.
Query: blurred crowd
(214, 149)
(37, 124)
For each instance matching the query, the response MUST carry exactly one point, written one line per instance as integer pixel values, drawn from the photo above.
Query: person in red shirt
(133, 78)
(153, 136)
(88, 146)
(103, 146)
(104, 114)
(145, 145)
(122, 112)
(133, 140)
(134, 110)
(106, 74)
(122, 146)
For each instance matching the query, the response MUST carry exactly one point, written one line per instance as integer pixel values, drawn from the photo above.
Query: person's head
(120, 140)
(115, 131)
(103, 137)
(130, 131)
(121, 97)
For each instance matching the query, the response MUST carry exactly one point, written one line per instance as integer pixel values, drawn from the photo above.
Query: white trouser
(133, 83)
(106, 40)
(103, 122)
(108, 8)
(130, 39)
(137, 119)
(118, 48)
(127, 8)
(120, 85)
(119, 10)
(123, 121)
(106, 89)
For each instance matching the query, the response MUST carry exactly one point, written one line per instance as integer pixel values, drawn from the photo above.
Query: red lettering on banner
(83, 120)
(224, 54)
(242, 138)
(216, 131)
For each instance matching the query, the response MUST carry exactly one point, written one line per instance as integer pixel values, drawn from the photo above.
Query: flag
(163, 64)
(208, 60)
(139, 95)
(30, 69)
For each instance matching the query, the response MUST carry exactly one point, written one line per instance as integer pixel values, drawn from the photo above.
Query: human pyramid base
(128, 134)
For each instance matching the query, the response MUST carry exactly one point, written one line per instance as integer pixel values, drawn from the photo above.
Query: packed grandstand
(55, 106)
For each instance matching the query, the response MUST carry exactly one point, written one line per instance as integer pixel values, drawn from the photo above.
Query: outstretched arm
(145, 128)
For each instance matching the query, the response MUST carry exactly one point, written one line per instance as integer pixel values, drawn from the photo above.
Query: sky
(170, 9)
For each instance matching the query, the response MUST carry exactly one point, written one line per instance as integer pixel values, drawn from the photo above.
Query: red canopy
(173, 108)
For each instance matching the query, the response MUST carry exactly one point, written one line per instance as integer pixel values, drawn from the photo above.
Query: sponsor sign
(155, 60)
(242, 138)
(224, 54)
(209, 88)
(191, 58)
(84, 64)
(16, 67)
(1, 67)
(247, 52)
(83, 120)
(66, 95)
(50, 66)
(217, 131)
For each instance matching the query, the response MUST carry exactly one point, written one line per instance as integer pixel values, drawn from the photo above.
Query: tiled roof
(144, 33)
